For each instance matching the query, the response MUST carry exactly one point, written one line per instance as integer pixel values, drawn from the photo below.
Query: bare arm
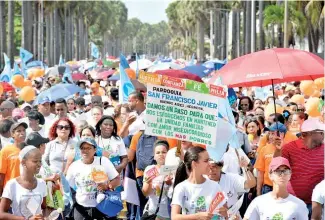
(124, 131)
(316, 211)
(260, 182)
(250, 181)
(122, 165)
(176, 210)
(115, 182)
(147, 188)
(131, 155)
(4, 207)
(277, 153)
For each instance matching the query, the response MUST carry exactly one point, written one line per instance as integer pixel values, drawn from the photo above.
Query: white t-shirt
(49, 120)
(231, 163)
(194, 198)
(265, 207)
(154, 196)
(171, 159)
(138, 124)
(78, 177)
(5, 141)
(25, 202)
(232, 185)
(42, 132)
(319, 195)
(114, 146)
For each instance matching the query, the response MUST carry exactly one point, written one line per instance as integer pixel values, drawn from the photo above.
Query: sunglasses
(60, 127)
(282, 172)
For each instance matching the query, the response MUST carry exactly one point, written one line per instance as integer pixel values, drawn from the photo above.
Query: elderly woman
(60, 149)
(79, 178)
(36, 122)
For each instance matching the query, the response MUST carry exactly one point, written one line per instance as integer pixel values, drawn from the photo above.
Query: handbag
(145, 215)
(112, 204)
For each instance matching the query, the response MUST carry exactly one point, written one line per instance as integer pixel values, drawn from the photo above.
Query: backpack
(145, 152)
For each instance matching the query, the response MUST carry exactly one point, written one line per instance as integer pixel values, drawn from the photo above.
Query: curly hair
(52, 132)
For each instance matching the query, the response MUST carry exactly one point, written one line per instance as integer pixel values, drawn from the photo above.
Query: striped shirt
(307, 167)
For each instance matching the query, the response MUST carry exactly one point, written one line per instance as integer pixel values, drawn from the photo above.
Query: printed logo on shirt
(268, 156)
(200, 205)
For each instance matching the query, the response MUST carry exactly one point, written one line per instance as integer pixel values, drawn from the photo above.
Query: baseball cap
(80, 101)
(90, 141)
(277, 126)
(114, 93)
(277, 162)
(25, 105)
(16, 125)
(35, 139)
(44, 100)
(17, 112)
(7, 104)
(312, 124)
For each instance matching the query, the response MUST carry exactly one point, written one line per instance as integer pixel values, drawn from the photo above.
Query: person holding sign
(153, 182)
(90, 175)
(196, 197)
(277, 204)
(25, 194)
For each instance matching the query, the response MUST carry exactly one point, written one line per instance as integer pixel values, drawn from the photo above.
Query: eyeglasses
(282, 172)
(85, 148)
(60, 127)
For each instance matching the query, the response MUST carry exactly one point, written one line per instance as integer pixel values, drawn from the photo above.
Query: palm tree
(3, 28)
(261, 28)
(248, 27)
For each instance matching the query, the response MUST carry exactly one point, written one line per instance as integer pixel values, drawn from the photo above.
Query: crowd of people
(51, 150)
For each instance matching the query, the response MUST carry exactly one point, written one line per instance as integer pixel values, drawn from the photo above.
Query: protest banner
(174, 112)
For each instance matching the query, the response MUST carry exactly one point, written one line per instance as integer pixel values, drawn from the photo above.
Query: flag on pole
(6, 74)
(137, 70)
(94, 50)
(191, 63)
(124, 62)
(61, 61)
(23, 69)
(126, 87)
(25, 55)
(16, 70)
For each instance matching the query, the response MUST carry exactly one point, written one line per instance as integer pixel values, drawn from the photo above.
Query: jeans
(132, 211)
(309, 207)
(88, 213)
(266, 189)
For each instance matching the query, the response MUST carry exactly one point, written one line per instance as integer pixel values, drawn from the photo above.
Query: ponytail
(181, 174)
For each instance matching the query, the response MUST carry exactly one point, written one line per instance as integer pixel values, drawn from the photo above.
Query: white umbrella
(164, 66)
(143, 64)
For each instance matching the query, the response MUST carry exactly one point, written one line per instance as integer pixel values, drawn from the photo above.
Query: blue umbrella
(36, 63)
(198, 70)
(114, 77)
(61, 90)
(215, 64)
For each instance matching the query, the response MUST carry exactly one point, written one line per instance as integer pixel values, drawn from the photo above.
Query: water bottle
(54, 215)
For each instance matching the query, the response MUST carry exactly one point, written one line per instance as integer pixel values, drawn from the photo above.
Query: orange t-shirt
(9, 162)
(287, 138)
(263, 161)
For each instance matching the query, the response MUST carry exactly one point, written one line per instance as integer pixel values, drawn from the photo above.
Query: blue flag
(16, 70)
(25, 55)
(61, 61)
(23, 69)
(6, 74)
(94, 50)
(124, 62)
(126, 87)
(232, 97)
(191, 63)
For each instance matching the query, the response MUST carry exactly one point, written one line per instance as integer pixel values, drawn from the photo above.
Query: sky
(150, 11)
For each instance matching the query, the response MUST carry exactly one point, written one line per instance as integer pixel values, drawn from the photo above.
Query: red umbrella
(271, 66)
(79, 76)
(179, 74)
(104, 74)
(6, 86)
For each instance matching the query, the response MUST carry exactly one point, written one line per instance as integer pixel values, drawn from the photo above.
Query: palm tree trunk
(53, 42)
(261, 19)
(48, 39)
(248, 27)
(40, 30)
(200, 40)
(81, 38)
(71, 35)
(243, 47)
(238, 35)
(77, 55)
(216, 32)
(234, 35)
(35, 31)
(11, 43)
(273, 36)
(253, 26)
(280, 38)
(3, 37)
(66, 33)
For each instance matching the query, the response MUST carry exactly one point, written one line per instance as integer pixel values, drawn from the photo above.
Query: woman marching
(193, 192)
(25, 194)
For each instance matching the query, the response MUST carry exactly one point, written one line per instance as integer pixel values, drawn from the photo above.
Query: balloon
(1, 89)
(320, 83)
(316, 93)
(307, 87)
(131, 73)
(30, 74)
(18, 81)
(312, 107)
(27, 93)
(39, 72)
(269, 109)
(298, 99)
(27, 82)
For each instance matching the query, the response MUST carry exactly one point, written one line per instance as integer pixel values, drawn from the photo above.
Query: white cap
(312, 124)
(25, 105)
